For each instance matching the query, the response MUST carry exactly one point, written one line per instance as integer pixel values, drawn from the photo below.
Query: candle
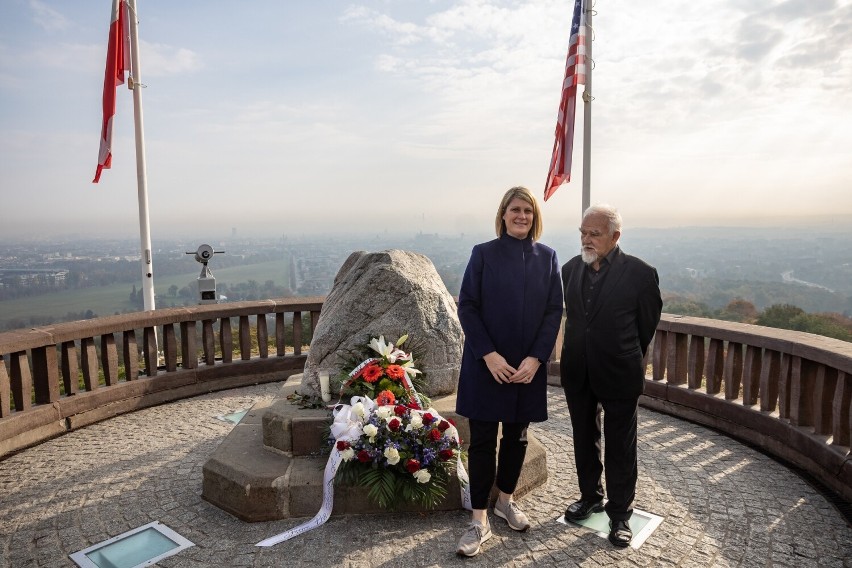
(324, 387)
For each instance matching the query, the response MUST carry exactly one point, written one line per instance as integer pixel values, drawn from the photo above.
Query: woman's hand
(526, 371)
(500, 369)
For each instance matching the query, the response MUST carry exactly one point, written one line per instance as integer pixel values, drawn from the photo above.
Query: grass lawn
(107, 300)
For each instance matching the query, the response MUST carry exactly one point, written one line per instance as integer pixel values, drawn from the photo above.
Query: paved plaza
(723, 503)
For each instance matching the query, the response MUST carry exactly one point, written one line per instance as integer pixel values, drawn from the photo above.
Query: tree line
(780, 316)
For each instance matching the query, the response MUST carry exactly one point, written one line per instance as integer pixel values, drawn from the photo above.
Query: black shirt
(593, 280)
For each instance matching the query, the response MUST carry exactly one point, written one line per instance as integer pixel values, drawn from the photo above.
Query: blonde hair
(524, 194)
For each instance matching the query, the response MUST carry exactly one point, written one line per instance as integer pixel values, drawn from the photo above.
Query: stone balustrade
(58, 378)
(786, 392)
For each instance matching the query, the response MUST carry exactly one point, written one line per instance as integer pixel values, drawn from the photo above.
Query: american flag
(117, 63)
(575, 74)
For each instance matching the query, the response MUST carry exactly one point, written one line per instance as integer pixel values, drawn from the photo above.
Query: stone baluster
(262, 336)
(170, 349)
(45, 374)
(208, 342)
(297, 333)
(245, 338)
(226, 340)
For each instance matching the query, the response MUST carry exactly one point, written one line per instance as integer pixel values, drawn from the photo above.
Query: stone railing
(786, 392)
(58, 378)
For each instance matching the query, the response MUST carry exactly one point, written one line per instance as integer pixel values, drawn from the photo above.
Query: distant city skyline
(406, 116)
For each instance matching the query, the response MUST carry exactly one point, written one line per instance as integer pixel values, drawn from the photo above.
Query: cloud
(157, 59)
(160, 59)
(48, 18)
(755, 40)
(792, 9)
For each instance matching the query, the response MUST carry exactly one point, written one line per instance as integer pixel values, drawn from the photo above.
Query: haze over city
(406, 115)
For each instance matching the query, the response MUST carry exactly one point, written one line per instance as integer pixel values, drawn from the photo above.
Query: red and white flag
(575, 74)
(117, 63)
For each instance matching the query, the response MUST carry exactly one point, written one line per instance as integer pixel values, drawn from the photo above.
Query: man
(613, 306)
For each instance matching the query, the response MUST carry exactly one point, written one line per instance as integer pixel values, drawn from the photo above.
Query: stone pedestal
(270, 466)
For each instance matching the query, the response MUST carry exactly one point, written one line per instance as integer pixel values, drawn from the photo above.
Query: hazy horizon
(416, 116)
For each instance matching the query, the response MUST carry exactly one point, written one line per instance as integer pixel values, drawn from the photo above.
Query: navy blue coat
(510, 302)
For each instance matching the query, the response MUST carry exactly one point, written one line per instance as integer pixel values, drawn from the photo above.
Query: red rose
(445, 454)
(412, 465)
(399, 410)
(394, 425)
(343, 445)
(428, 418)
(434, 434)
(364, 456)
(413, 405)
(443, 425)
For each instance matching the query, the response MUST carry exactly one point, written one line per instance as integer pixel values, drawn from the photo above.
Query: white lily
(380, 347)
(409, 369)
(387, 350)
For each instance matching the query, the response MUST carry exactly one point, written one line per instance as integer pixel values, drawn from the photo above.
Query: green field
(107, 300)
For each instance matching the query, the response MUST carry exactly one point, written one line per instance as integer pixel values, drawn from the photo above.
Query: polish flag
(117, 63)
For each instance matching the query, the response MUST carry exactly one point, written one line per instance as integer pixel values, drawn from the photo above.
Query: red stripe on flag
(117, 63)
(575, 74)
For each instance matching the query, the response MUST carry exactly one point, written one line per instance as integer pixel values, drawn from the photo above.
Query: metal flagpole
(135, 83)
(587, 111)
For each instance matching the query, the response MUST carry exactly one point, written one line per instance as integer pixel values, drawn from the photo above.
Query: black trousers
(485, 466)
(620, 459)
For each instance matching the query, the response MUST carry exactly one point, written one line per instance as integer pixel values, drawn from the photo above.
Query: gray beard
(588, 257)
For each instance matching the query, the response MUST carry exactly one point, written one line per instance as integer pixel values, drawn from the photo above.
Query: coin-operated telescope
(206, 281)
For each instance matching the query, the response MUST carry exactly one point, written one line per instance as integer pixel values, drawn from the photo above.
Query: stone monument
(390, 293)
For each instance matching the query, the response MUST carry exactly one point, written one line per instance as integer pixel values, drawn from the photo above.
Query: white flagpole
(587, 111)
(135, 83)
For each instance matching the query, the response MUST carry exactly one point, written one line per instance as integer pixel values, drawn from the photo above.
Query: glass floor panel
(233, 417)
(142, 546)
(642, 523)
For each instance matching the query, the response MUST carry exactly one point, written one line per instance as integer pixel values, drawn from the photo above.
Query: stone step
(270, 466)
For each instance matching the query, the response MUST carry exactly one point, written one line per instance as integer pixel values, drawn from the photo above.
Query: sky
(308, 116)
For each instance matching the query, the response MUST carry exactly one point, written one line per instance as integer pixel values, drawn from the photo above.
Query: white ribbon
(349, 425)
(325, 511)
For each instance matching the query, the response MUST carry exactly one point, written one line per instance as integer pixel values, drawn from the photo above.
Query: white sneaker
(512, 514)
(472, 539)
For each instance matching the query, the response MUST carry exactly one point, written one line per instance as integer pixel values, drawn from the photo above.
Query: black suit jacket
(607, 345)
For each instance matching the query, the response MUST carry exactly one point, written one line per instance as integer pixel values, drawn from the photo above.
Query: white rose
(347, 454)
(416, 420)
(385, 412)
(451, 433)
(371, 430)
(422, 476)
(358, 410)
(392, 455)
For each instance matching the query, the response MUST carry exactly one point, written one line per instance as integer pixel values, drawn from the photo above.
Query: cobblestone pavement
(724, 504)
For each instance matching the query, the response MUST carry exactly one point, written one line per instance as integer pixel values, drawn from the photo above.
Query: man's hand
(500, 369)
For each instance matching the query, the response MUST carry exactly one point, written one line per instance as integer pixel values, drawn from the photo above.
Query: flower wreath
(391, 445)
(388, 442)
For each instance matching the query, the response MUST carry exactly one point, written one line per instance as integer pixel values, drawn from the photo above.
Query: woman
(510, 307)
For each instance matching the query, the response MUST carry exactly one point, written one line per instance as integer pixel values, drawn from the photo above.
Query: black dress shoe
(582, 509)
(620, 534)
